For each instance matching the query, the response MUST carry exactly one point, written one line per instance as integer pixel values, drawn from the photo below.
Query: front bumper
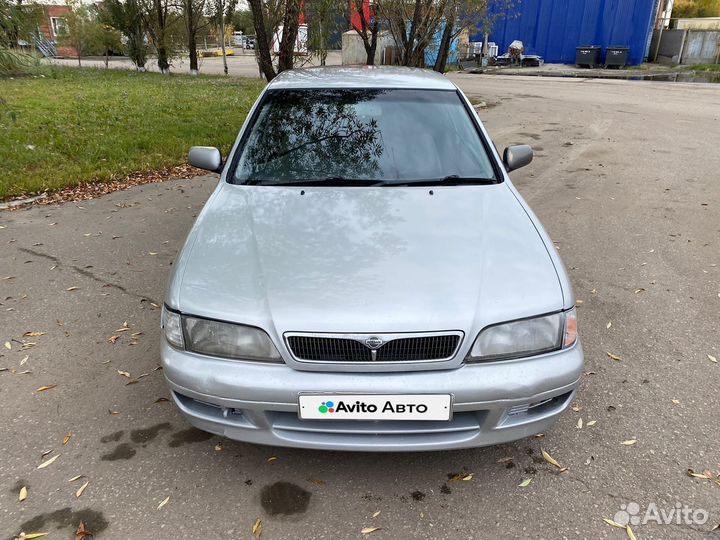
(493, 403)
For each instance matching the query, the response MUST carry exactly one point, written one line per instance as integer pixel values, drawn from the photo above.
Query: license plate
(375, 407)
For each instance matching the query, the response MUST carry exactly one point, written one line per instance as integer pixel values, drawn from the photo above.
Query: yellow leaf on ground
(370, 530)
(46, 387)
(257, 528)
(591, 423)
(33, 535)
(613, 356)
(163, 502)
(704, 476)
(630, 533)
(78, 477)
(712, 358)
(271, 459)
(23, 494)
(66, 438)
(81, 489)
(82, 533)
(72, 289)
(376, 514)
(608, 325)
(48, 462)
(550, 459)
(525, 483)
(113, 339)
(467, 477)
(613, 523)
(123, 373)
(8, 346)
(579, 423)
(33, 334)
(629, 442)
(676, 402)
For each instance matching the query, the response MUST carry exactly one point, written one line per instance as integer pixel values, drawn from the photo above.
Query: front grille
(352, 348)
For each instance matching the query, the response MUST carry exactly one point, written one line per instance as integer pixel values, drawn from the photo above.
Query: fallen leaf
(608, 325)
(163, 502)
(72, 289)
(370, 530)
(613, 356)
(715, 528)
(219, 447)
(66, 438)
(46, 387)
(257, 528)
(46, 452)
(550, 459)
(712, 358)
(579, 423)
(317, 482)
(81, 489)
(676, 402)
(110, 411)
(591, 423)
(161, 400)
(32, 535)
(123, 373)
(33, 334)
(639, 290)
(271, 459)
(8, 346)
(113, 339)
(505, 460)
(23, 494)
(576, 408)
(613, 523)
(78, 477)
(48, 462)
(22, 362)
(703, 475)
(82, 533)
(376, 514)
(525, 483)
(467, 477)
(630, 533)
(629, 442)
(152, 253)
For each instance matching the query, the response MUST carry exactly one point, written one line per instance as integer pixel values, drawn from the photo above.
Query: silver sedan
(366, 277)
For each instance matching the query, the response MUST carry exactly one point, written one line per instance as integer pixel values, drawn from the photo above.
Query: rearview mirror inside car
(205, 157)
(517, 156)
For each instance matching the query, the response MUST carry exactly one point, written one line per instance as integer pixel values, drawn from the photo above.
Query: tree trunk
(192, 48)
(262, 44)
(107, 53)
(445, 41)
(222, 41)
(163, 63)
(408, 55)
(290, 30)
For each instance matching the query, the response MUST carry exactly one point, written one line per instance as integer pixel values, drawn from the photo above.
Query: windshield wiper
(329, 181)
(450, 180)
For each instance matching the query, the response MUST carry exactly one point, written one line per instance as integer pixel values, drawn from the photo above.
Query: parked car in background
(365, 276)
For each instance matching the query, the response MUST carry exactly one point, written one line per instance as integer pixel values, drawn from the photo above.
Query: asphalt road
(626, 182)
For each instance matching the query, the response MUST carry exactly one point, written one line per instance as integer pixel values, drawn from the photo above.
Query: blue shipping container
(554, 28)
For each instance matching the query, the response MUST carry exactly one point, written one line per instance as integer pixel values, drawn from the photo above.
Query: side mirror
(205, 157)
(517, 156)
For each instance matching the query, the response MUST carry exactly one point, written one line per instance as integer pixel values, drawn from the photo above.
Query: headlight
(171, 325)
(229, 340)
(527, 337)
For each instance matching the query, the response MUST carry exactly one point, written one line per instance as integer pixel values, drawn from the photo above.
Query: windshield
(385, 135)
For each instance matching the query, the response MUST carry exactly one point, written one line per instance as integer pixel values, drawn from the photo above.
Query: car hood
(365, 259)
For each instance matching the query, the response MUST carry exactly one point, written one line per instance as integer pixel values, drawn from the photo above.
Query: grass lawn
(76, 125)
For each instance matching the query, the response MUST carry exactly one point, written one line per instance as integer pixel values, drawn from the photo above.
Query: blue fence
(554, 28)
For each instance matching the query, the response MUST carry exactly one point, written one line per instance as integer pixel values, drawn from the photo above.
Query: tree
(80, 29)
(322, 17)
(463, 15)
(413, 24)
(368, 30)
(159, 17)
(193, 17)
(106, 39)
(242, 20)
(222, 11)
(18, 21)
(127, 17)
(696, 8)
(266, 17)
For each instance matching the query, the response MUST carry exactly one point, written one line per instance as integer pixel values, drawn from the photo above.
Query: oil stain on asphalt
(65, 517)
(191, 435)
(146, 435)
(112, 437)
(121, 451)
(284, 498)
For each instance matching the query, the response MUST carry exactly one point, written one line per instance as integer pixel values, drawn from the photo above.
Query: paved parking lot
(626, 182)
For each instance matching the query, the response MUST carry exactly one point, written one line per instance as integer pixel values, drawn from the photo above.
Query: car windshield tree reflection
(385, 135)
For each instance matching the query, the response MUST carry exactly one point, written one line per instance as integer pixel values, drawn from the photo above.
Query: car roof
(362, 77)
